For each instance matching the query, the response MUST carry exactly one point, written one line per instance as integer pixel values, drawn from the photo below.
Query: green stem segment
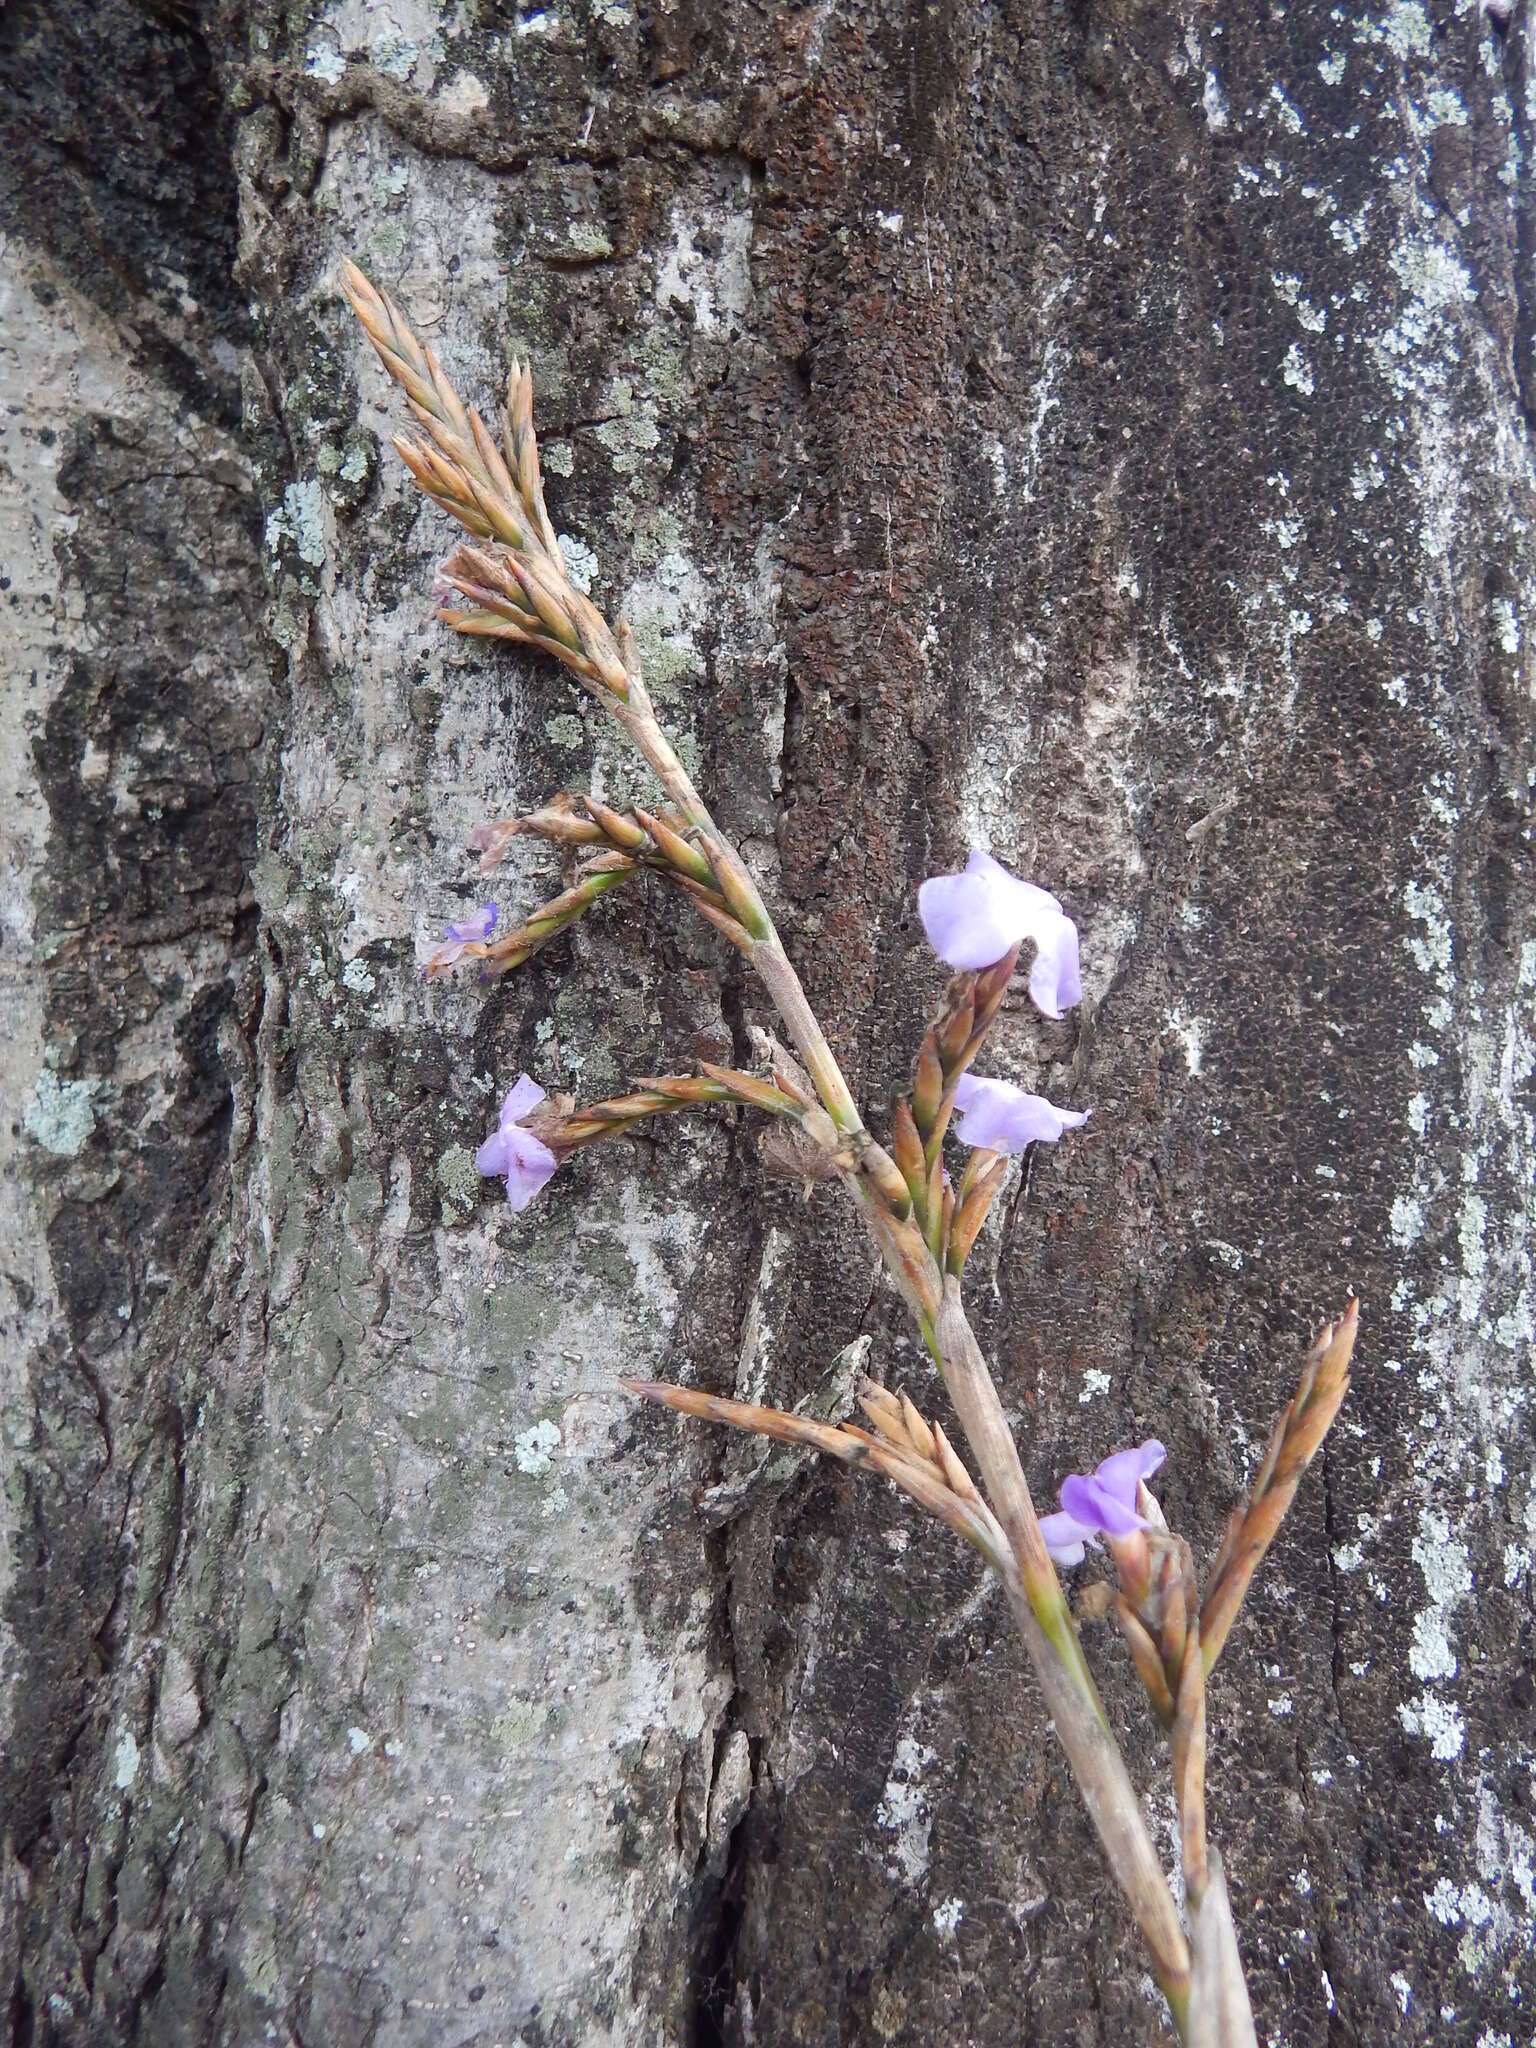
(1041, 1613)
(1035, 1595)
(638, 719)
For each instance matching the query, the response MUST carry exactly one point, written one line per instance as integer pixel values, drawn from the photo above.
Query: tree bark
(1098, 433)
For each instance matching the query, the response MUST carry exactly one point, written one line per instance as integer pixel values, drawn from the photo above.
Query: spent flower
(972, 919)
(473, 930)
(513, 1152)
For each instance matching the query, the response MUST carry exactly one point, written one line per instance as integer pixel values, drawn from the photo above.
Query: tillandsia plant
(506, 579)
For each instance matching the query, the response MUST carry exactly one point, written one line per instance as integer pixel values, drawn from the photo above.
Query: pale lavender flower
(1102, 1503)
(972, 919)
(474, 930)
(514, 1152)
(1002, 1118)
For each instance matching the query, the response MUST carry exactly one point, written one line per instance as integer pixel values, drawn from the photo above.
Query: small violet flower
(973, 919)
(473, 931)
(1101, 1504)
(1002, 1118)
(514, 1151)
(476, 928)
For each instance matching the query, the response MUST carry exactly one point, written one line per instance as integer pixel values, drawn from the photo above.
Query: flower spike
(506, 579)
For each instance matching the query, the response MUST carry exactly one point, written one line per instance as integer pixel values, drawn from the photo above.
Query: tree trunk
(1091, 432)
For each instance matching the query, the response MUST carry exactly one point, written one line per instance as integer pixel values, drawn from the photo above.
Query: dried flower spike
(917, 1456)
(1296, 1439)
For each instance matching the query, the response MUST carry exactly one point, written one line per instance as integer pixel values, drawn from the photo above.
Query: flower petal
(1055, 975)
(1094, 1505)
(1001, 1118)
(492, 1157)
(529, 1166)
(973, 919)
(476, 928)
(1122, 1471)
(432, 956)
(1065, 1538)
(525, 1094)
(491, 842)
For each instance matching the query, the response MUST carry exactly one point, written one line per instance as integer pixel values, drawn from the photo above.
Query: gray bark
(1100, 433)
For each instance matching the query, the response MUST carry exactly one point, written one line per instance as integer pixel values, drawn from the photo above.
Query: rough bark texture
(1096, 431)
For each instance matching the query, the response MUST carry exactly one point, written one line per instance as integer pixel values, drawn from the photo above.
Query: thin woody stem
(1040, 1610)
(767, 954)
(1041, 1614)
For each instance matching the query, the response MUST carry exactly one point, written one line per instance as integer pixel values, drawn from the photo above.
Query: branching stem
(1035, 1596)
(513, 580)
(1034, 1592)
(1050, 1635)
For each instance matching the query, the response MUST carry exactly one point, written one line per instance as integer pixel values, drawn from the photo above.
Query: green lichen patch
(660, 365)
(566, 730)
(657, 532)
(518, 1722)
(667, 656)
(587, 240)
(460, 1180)
(59, 1114)
(299, 521)
(630, 434)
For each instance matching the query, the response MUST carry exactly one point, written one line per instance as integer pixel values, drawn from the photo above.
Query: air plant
(506, 579)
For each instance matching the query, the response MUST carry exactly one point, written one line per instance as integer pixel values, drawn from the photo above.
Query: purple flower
(1101, 1504)
(476, 928)
(515, 1152)
(474, 931)
(973, 919)
(1003, 1118)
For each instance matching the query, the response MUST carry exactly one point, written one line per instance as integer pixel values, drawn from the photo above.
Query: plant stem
(1034, 1593)
(1040, 1611)
(772, 963)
